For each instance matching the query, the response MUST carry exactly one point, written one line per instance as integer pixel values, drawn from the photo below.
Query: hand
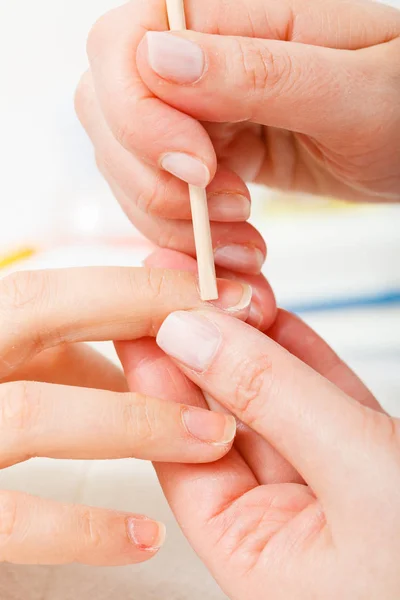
(301, 96)
(44, 316)
(328, 526)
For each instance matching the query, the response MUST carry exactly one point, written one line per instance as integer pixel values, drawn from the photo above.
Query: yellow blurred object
(16, 256)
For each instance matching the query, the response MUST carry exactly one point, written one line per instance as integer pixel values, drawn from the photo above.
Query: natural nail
(209, 427)
(186, 167)
(228, 208)
(174, 58)
(190, 338)
(145, 533)
(245, 259)
(256, 317)
(233, 296)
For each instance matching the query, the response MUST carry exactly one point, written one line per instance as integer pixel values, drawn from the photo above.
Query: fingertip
(145, 534)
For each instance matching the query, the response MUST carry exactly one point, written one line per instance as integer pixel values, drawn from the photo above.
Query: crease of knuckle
(91, 533)
(152, 199)
(8, 521)
(139, 422)
(264, 74)
(20, 407)
(253, 377)
(21, 290)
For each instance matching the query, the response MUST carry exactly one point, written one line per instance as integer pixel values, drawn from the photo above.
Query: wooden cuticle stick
(198, 196)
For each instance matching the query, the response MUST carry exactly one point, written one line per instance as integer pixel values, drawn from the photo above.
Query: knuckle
(153, 199)
(8, 520)
(125, 133)
(139, 421)
(91, 533)
(20, 406)
(251, 377)
(84, 96)
(97, 35)
(264, 73)
(22, 290)
(381, 430)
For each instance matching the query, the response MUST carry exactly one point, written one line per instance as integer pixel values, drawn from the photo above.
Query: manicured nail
(145, 533)
(174, 58)
(212, 428)
(190, 338)
(187, 168)
(233, 296)
(228, 208)
(245, 259)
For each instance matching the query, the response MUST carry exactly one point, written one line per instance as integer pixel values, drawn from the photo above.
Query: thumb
(288, 85)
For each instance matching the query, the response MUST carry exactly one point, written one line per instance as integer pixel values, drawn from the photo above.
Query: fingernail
(245, 259)
(145, 533)
(187, 168)
(212, 428)
(189, 338)
(233, 296)
(174, 58)
(256, 317)
(228, 207)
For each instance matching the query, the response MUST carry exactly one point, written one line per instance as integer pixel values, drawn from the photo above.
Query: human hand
(44, 316)
(300, 96)
(307, 503)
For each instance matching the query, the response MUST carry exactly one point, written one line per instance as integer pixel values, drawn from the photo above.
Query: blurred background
(336, 265)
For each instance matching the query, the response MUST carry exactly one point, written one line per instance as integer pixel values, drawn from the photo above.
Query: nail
(228, 208)
(256, 317)
(145, 533)
(186, 167)
(209, 427)
(174, 58)
(233, 296)
(190, 338)
(245, 259)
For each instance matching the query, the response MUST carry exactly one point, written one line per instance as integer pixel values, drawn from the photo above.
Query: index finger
(42, 309)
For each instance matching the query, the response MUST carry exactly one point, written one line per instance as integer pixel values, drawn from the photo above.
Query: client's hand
(307, 504)
(44, 316)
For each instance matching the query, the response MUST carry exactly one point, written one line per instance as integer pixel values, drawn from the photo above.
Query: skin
(60, 399)
(305, 505)
(298, 95)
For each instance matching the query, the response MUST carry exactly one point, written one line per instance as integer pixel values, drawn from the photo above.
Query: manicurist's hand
(60, 399)
(307, 503)
(298, 95)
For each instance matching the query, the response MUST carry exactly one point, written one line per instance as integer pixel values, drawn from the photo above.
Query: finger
(37, 531)
(74, 365)
(220, 507)
(265, 462)
(215, 486)
(300, 340)
(313, 424)
(54, 421)
(237, 246)
(286, 85)
(263, 304)
(42, 309)
(159, 132)
(155, 192)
